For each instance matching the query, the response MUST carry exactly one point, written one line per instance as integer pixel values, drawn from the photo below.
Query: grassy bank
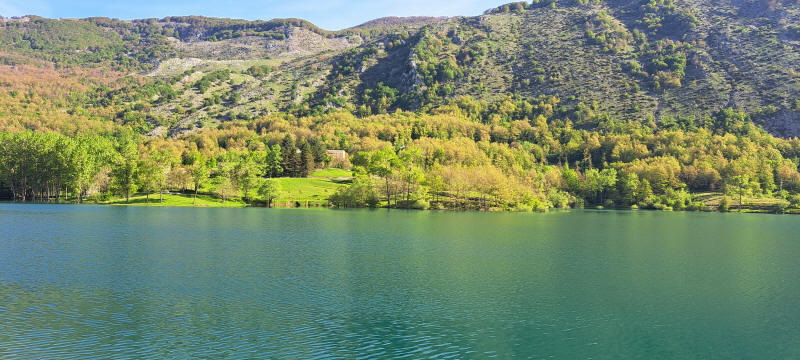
(315, 192)
(317, 189)
(176, 200)
(294, 192)
(750, 204)
(307, 191)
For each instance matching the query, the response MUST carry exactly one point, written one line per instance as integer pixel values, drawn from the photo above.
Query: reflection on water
(116, 282)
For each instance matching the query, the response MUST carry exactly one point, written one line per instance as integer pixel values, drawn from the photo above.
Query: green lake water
(93, 282)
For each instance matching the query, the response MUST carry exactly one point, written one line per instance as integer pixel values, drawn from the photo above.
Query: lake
(95, 282)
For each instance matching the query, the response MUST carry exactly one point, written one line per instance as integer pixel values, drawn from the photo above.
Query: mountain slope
(647, 61)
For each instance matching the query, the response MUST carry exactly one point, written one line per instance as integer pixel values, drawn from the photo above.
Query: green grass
(332, 173)
(309, 191)
(749, 203)
(182, 200)
(305, 191)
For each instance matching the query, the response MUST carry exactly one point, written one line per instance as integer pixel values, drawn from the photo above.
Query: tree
(125, 168)
(436, 184)
(61, 167)
(608, 180)
(592, 184)
(410, 172)
(272, 161)
(644, 192)
(742, 184)
(224, 180)
(291, 159)
(382, 163)
(306, 159)
(245, 171)
(198, 172)
(224, 187)
(787, 175)
(269, 190)
(165, 164)
(89, 156)
(628, 187)
(729, 120)
(148, 175)
(723, 204)
(572, 180)
(360, 193)
(178, 177)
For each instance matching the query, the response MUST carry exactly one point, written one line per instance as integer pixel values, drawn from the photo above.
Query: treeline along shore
(516, 154)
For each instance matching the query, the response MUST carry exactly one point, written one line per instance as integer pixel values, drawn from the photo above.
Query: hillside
(685, 104)
(641, 61)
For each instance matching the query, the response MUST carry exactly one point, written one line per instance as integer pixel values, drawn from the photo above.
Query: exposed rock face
(632, 60)
(298, 41)
(394, 21)
(784, 124)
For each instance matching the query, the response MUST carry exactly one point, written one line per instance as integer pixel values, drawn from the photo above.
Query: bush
(662, 207)
(781, 207)
(794, 200)
(420, 205)
(646, 204)
(723, 205)
(372, 201)
(697, 206)
(558, 199)
(522, 207)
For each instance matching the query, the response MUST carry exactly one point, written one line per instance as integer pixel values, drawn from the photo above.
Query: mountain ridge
(653, 104)
(645, 61)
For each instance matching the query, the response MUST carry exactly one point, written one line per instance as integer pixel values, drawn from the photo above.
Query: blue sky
(328, 14)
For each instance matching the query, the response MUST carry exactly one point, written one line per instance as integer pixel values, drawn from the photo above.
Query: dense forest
(513, 155)
(650, 105)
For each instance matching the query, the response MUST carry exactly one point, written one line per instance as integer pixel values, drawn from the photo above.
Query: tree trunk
(740, 200)
(24, 189)
(388, 195)
(147, 197)
(194, 201)
(408, 195)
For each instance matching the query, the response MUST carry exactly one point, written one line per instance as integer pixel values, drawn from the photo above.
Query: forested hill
(652, 104)
(611, 60)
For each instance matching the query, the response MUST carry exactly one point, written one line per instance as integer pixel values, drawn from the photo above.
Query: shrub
(558, 199)
(420, 205)
(723, 205)
(781, 207)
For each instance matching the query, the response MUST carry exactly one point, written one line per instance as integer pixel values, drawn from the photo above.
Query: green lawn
(311, 191)
(749, 204)
(332, 173)
(182, 200)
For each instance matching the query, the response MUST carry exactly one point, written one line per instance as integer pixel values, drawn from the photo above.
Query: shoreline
(239, 205)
